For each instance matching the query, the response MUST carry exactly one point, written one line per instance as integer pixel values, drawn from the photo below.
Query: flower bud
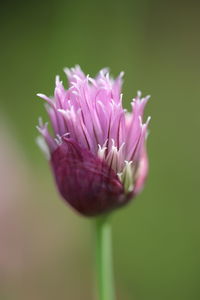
(98, 153)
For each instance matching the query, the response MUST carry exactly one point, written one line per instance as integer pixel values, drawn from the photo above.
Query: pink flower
(98, 153)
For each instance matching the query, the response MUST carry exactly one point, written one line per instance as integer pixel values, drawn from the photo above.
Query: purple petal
(85, 181)
(142, 172)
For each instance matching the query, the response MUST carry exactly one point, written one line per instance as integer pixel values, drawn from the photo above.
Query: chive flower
(97, 149)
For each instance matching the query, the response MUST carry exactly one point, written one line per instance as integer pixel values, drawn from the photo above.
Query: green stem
(104, 259)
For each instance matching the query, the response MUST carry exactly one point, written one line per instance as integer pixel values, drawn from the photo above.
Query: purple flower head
(98, 152)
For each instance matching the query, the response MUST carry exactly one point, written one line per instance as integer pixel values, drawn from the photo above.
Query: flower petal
(85, 181)
(142, 172)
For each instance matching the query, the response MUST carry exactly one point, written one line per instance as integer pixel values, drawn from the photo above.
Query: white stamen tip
(139, 94)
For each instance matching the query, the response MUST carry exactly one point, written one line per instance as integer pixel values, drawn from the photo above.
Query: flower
(98, 153)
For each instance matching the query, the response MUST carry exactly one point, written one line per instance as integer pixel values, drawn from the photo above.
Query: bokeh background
(46, 251)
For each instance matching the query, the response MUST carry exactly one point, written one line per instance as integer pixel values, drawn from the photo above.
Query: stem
(104, 268)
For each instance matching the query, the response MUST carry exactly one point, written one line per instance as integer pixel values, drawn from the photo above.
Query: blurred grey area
(46, 250)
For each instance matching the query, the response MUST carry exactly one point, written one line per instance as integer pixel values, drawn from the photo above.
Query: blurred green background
(45, 249)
